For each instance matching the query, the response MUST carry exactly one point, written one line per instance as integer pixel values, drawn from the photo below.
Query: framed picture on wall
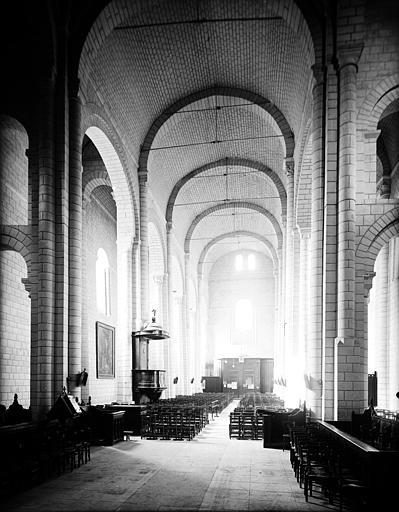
(105, 347)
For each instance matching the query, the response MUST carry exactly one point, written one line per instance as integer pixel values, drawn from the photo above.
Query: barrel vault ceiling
(220, 75)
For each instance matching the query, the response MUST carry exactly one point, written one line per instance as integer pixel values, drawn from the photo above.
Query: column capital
(159, 279)
(73, 87)
(349, 55)
(289, 165)
(304, 233)
(384, 187)
(368, 283)
(318, 71)
(136, 242)
(142, 175)
(28, 285)
(169, 227)
(371, 135)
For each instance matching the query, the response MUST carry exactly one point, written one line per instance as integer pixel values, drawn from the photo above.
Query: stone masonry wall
(14, 330)
(99, 231)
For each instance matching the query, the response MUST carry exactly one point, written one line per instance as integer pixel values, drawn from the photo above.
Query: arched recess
(263, 103)
(378, 100)
(271, 250)
(382, 316)
(388, 150)
(117, 167)
(379, 234)
(156, 270)
(93, 179)
(17, 238)
(106, 182)
(196, 365)
(15, 335)
(243, 162)
(230, 287)
(15, 264)
(177, 342)
(234, 204)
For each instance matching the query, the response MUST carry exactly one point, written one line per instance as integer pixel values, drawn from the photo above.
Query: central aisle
(211, 472)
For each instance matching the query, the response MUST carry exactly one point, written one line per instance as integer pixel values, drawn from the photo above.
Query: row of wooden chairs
(34, 452)
(388, 414)
(176, 423)
(182, 417)
(384, 432)
(245, 424)
(318, 463)
(261, 400)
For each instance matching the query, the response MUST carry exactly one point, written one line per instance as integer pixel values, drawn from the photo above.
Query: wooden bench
(380, 469)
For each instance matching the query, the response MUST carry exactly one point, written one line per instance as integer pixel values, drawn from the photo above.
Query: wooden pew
(380, 468)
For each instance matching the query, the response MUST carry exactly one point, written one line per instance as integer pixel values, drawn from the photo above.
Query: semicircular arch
(386, 91)
(242, 162)
(94, 179)
(14, 238)
(233, 234)
(262, 102)
(298, 15)
(116, 162)
(234, 204)
(374, 239)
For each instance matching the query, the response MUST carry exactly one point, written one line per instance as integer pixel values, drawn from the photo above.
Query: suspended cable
(216, 119)
(194, 203)
(231, 173)
(199, 21)
(197, 239)
(221, 107)
(216, 142)
(227, 182)
(235, 214)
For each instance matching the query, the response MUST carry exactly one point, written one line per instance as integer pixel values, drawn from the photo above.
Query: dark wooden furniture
(148, 385)
(31, 452)
(108, 425)
(275, 426)
(250, 373)
(132, 417)
(212, 384)
(380, 469)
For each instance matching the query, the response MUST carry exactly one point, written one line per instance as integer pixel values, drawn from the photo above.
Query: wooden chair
(235, 425)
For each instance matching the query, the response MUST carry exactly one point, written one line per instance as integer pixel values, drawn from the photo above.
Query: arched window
(243, 315)
(239, 262)
(102, 283)
(251, 262)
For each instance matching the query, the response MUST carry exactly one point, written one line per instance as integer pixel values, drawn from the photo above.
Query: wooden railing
(380, 468)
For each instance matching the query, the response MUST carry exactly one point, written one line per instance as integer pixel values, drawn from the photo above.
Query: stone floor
(211, 472)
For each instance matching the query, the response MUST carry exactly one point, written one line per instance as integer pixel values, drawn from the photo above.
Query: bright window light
(102, 283)
(239, 264)
(251, 262)
(243, 314)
